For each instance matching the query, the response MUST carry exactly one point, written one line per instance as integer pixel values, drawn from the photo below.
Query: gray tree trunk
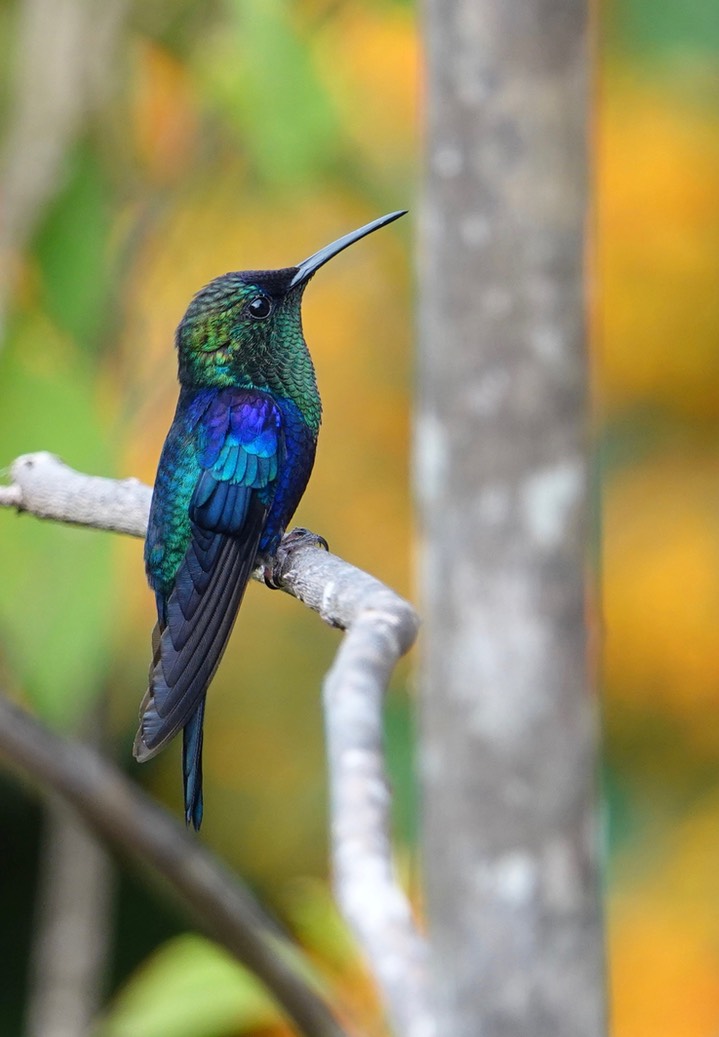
(508, 724)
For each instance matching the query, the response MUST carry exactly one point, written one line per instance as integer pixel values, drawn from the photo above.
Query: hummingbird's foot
(297, 537)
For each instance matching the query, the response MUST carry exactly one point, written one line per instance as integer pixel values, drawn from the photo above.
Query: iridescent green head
(246, 328)
(237, 325)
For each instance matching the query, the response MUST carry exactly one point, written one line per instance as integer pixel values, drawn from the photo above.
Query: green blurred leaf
(259, 71)
(55, 603)
(71, 248)
(189, 988)
(643, 25)
(309, 905)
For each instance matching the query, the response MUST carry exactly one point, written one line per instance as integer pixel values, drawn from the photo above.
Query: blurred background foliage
(657, 324)
(151, 146)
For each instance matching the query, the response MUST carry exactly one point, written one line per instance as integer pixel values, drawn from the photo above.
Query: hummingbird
(232, 470)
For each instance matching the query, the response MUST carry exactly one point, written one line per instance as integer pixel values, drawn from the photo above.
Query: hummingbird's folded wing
(242, 447)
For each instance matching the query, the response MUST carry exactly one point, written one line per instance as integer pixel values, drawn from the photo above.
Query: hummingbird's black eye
(260, 307)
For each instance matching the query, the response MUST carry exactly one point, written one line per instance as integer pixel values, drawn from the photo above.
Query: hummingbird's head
(235, 323)
(245, 328)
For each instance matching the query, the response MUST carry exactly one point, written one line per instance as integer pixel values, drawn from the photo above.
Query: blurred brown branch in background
(380, 627)
(62, 71)
(73, 938)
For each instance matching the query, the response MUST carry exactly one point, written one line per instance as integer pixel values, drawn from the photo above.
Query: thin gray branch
(45, 487)
(380, 627)
(365, 885)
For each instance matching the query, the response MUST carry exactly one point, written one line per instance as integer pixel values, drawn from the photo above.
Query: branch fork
(380, 627)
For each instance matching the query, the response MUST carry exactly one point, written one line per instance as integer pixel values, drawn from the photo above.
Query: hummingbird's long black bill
(306, 269)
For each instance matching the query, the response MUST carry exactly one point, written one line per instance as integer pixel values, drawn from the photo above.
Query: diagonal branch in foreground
(380, 627)
(120, 813)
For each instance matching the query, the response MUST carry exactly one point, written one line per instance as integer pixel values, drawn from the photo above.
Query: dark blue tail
(192, 766)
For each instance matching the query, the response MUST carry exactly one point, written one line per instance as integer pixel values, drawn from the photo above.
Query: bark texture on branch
(508, 726)
(366, 887)
(380, 627)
